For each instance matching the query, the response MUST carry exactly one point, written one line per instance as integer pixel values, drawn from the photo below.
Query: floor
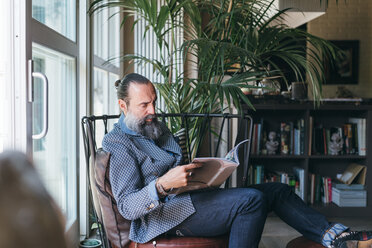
(277, 234)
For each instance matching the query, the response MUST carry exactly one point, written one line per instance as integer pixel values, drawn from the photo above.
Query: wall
(349, 21)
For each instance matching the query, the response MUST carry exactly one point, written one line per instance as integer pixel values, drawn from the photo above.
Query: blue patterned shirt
(135, 163)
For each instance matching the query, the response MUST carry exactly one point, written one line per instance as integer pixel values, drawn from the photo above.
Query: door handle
(31, 76)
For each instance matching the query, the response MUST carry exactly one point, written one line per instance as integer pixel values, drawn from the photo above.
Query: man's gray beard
(152, 130)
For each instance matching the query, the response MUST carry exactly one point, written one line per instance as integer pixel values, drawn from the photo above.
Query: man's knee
(281, 189)
(253, 200)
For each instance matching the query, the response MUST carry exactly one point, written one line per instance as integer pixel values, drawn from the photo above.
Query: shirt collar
(124, 127)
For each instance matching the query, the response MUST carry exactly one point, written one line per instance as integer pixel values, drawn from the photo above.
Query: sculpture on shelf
(335, 144)
(272, 144)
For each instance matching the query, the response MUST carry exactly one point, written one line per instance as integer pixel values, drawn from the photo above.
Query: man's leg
(292, 210)
(240, 211)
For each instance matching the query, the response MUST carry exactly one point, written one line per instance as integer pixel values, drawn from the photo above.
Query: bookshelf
(328, 115)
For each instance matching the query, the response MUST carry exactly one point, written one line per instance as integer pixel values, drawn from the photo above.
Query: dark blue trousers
(242, 212)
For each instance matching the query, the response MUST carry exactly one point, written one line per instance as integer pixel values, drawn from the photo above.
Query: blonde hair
(28, 215)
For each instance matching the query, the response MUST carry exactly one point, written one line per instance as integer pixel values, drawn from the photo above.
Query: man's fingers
(193, 165)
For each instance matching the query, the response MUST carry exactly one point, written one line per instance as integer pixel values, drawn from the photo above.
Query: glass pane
(105, 99)
(7, 51)
(55, 155)
(101, 36)
(113, 108)
(5, 112)
(100, 100)
(59, 15)
(100, 91)
(114, 37)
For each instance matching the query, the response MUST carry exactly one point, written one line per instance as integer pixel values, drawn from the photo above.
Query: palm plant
(256, 41)
(237, 45)
(163, 21)
(181, 94)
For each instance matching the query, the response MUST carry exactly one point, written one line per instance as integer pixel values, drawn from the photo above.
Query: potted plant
(237, 42)
(90, 243)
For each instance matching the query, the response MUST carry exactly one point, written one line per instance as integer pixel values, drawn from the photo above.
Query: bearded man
(145, 164)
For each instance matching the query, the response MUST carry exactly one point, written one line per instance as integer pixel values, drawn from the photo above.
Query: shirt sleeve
(152, 191)
(132, 196)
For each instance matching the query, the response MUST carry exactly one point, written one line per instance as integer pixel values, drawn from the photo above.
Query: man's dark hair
(122, 86)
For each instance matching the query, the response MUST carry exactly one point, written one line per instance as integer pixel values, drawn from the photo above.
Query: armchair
(113, 228)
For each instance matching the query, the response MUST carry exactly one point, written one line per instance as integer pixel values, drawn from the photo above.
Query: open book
(354, 173)
(214, 171)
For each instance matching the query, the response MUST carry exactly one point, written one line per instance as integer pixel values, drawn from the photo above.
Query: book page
(213, 171)
(232, 155)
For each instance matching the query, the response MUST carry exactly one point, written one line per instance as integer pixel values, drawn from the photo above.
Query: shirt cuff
(152, 191)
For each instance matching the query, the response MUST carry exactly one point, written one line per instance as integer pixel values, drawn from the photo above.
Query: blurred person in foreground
(28, 215)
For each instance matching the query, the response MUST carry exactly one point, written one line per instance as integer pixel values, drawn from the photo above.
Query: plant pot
(90, 243)
(299, 91)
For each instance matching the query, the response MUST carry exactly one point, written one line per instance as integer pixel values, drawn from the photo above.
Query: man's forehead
(141, 89)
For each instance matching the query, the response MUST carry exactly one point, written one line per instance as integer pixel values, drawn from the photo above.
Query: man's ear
(123, 106)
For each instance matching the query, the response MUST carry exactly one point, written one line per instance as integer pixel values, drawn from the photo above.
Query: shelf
(351, 157)
(278, 156)
(261, 104)
(332, 210)
(271, 114)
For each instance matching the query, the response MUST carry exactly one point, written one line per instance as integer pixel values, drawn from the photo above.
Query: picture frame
(344, 71)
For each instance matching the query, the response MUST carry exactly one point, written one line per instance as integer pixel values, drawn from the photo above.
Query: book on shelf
(354, 173)
(257, 137)
(323, 190)
(320, 189)
(254, 139)
(360, 134)
(301, 139)
(347, 138)
(295, 180)
(285, 130)
(259, 174)
(213, 172)
(290, 137)
(353, 186)
(300, 175)
(349, 197)
(255, 174)
(327, 190)
(311, 123)
(311, 192)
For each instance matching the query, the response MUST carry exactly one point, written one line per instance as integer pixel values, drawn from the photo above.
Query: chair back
(113, 228)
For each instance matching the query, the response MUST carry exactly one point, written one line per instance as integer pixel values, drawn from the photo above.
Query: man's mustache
(149, 117)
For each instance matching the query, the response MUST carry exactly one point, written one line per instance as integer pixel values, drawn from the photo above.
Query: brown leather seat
(302, 242)
(185, 242)
(117, 228)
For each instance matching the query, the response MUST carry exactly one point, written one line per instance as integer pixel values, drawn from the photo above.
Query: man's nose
(151, 109)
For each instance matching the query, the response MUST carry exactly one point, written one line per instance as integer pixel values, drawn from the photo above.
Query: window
(106, 64)
(59, 15)
(55, 154)
(147, 46)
